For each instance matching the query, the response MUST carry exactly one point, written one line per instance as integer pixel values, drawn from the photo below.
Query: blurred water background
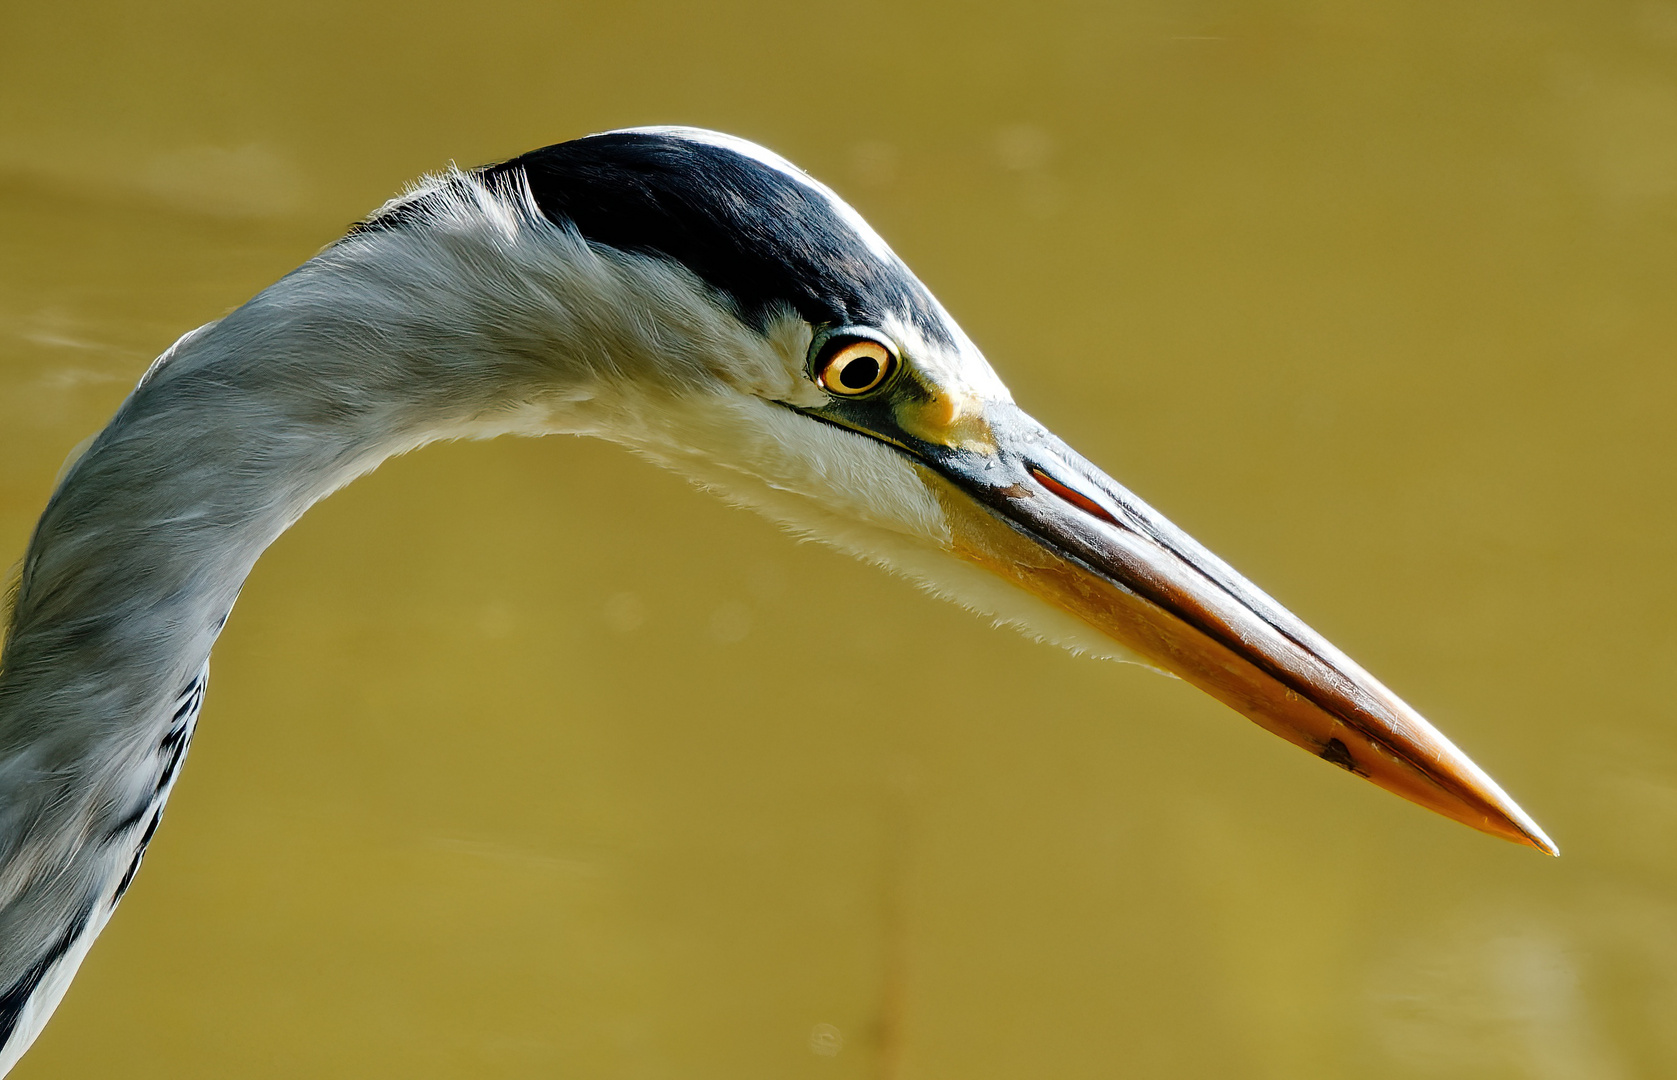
(520, 758)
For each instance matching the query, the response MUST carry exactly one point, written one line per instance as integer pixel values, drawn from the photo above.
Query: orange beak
(1024, 506)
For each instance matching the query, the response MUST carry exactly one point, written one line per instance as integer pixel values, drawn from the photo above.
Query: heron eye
(856, 367)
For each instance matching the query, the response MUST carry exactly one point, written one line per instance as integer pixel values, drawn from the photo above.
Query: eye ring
(851, 364)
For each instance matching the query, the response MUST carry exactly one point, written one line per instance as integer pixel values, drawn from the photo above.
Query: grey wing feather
(47, 928)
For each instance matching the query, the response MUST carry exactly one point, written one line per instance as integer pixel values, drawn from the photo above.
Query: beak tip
(1536, 838)
(1518, 826)
(1514, 823)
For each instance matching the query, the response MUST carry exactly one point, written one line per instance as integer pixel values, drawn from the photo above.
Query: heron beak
(1028, 508)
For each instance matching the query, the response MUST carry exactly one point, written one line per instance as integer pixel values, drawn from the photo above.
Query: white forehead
(962, 367)
(764, 156)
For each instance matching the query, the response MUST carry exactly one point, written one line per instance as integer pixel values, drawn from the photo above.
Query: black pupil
(860, 373)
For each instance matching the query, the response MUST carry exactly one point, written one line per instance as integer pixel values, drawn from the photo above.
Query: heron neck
(231, 436)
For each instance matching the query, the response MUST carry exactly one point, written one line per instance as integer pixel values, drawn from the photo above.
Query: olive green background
(524, 759)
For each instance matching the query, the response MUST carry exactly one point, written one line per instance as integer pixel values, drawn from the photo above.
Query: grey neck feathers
(481, 319)
(233, 434)
(476, 318)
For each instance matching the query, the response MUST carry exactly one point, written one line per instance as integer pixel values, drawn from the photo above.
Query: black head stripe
(765, 239)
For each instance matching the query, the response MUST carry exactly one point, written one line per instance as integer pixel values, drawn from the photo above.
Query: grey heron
(688, 295)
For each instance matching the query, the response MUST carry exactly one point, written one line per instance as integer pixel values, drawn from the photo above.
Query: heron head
(807, 372)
